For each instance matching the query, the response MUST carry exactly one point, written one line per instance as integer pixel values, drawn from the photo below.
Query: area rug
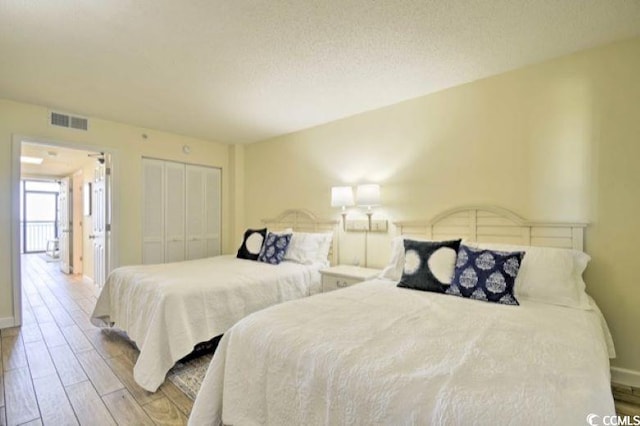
(188, 376)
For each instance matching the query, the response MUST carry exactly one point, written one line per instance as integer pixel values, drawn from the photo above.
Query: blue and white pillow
(486, 275)
(252, 244)
(274, 248)
(428, 265)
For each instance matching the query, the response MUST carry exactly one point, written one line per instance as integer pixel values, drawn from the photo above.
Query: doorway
(65, 211)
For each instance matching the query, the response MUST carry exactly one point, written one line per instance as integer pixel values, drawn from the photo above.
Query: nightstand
(345, 275)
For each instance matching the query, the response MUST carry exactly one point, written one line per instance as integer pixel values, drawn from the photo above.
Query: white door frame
(65, 243)
(17, 140)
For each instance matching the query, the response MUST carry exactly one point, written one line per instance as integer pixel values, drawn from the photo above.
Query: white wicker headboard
(491, 224)
(301, 220)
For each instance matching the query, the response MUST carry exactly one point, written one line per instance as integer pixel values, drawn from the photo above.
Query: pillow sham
(428, 265)
(274, 248)
(252, 244)
(281, 232)
(549, 275)
(393, 270)
(486, 275)
(308, 248)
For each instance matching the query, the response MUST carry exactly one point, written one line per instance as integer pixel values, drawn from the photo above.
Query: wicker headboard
(301, 220)
(495, 225)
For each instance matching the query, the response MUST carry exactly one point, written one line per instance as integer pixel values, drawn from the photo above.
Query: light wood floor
(627, 400)
(59, 369)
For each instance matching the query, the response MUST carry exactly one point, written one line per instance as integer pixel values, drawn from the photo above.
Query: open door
(99, 237)
(64, 226)
(77, 220)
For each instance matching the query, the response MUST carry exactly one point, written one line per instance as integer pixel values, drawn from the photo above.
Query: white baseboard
(7, 322)
(624, 376)
(87, 280)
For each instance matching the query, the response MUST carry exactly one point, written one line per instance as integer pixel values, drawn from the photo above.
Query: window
(38, 214)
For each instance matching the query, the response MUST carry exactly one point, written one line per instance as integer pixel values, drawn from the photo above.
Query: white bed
(378, 354)
(167, 309)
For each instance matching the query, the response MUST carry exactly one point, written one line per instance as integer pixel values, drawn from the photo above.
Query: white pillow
(393, 270)
(548, 275)
(282, 232)
(307, 248)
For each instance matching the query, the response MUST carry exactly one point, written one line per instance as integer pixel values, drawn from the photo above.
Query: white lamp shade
(368, 195)
(341, 196)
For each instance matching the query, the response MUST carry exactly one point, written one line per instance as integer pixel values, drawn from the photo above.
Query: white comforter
(167, 309)
(375, 354)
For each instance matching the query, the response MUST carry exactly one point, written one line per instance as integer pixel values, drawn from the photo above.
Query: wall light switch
(357, 225)
(379, 225)
(362, 225)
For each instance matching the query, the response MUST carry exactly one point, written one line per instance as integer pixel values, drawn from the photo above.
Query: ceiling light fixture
(31, 160)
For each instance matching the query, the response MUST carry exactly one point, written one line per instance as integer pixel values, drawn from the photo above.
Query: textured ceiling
(57, 161)
(246, 70)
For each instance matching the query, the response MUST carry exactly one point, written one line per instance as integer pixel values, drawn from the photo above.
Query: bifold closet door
(195, 219)
(212, 200)
(174, 228)
(153, 202)
(181, 211)
(203, 212)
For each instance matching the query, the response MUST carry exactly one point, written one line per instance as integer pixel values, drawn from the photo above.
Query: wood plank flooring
(627, 400)
(59, 369)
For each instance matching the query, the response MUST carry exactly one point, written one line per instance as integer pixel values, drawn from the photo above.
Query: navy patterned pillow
(252, 244)
(274, 248)
(428, 265)
(486, 275)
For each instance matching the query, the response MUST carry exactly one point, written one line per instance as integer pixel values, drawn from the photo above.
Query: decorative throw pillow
(274, 248)
(549, 275)
(428, 265)
(486, 275)
(252, 244)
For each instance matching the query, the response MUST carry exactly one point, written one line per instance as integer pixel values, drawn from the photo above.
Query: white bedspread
(167, 309)
(375, 354)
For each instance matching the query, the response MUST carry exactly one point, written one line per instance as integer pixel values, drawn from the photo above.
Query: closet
(181, 211)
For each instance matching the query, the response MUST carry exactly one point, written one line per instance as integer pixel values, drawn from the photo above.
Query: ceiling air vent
(65, 120)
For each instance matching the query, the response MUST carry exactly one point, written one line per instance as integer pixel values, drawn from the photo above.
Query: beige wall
(555, 141)
(236, 189)
(128, 148)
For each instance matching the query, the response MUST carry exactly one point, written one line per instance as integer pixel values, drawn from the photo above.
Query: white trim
(17, 140)
(7, 322)
(16, 276)
(623, 376)
(114, 223)
(87, 280)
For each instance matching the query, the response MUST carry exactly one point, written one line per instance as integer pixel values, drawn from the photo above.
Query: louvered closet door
(195, 224)
(203, 212)
(174, 212)
(212, 212)
(153, 178)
